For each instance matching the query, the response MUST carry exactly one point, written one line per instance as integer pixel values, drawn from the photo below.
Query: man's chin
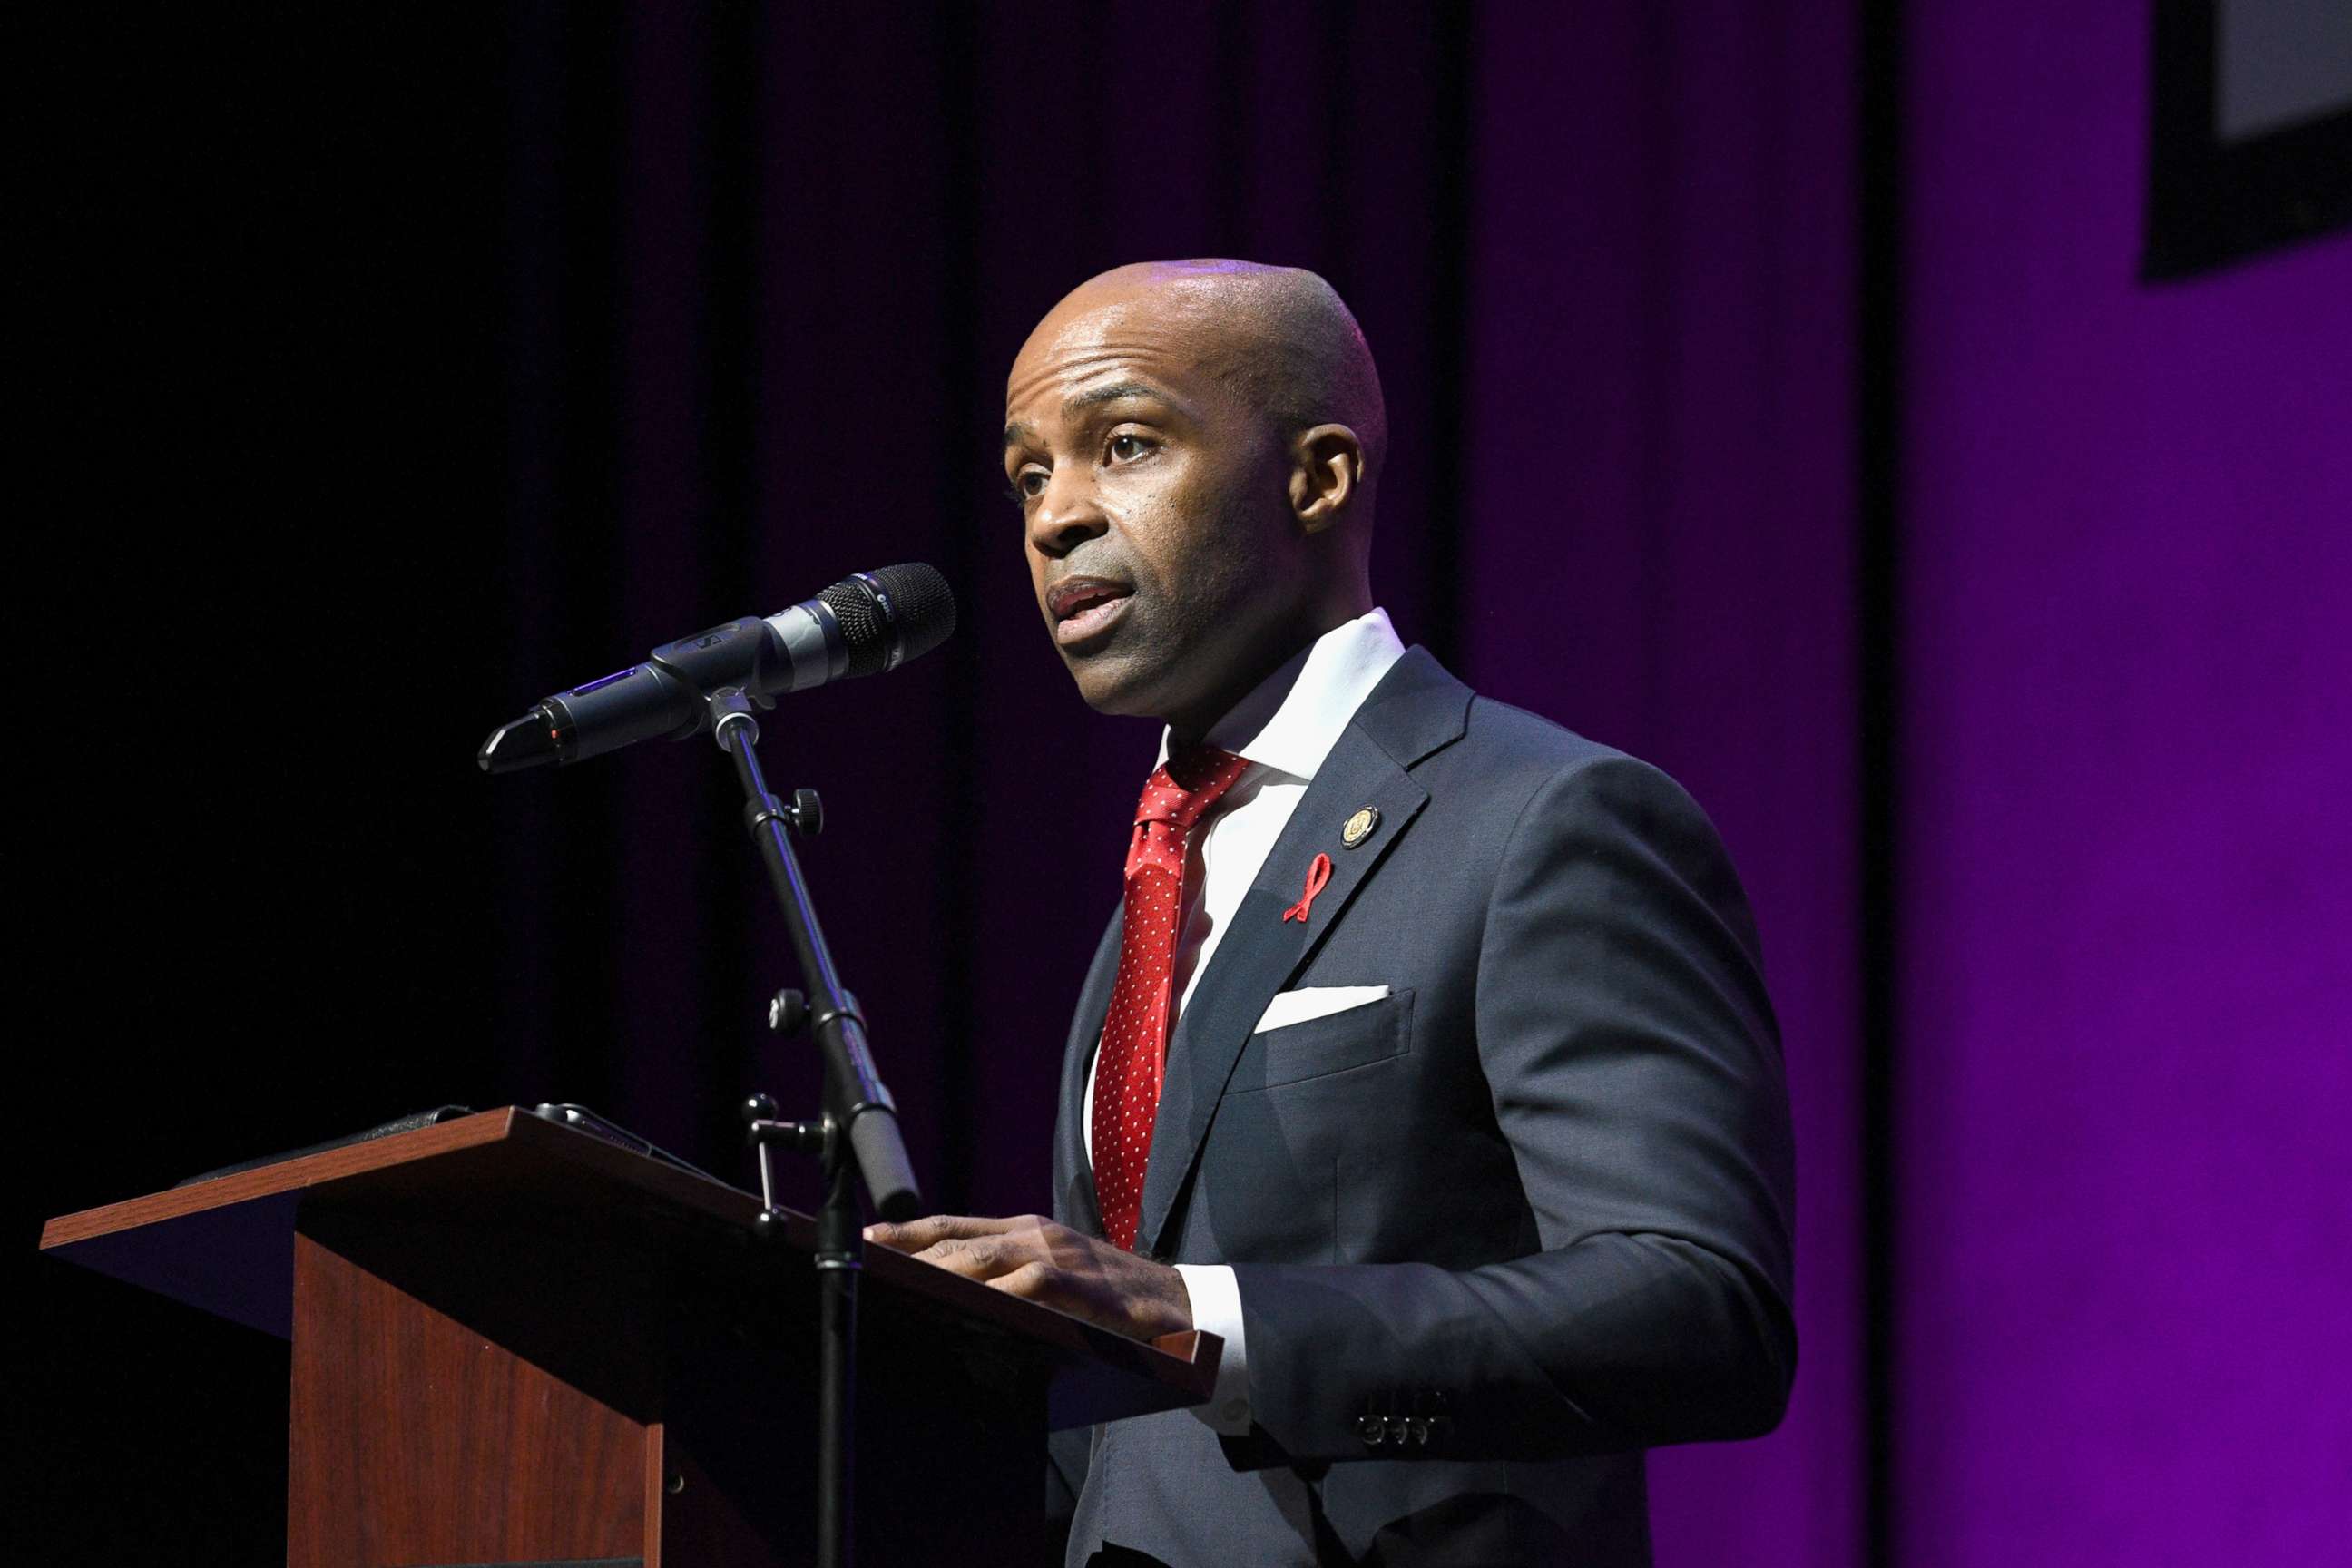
(1109, 683)
(1113, 701)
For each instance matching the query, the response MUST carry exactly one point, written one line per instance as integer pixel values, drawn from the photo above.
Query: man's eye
(1127, 448)
(1026, 486)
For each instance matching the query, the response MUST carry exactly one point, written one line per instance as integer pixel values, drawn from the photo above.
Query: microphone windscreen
(864, 627)
(889, 617)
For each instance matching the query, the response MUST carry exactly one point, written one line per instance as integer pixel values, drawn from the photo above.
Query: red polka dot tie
(1134, 1053)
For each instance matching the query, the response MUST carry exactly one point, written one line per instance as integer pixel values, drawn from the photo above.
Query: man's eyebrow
(1102, 394)
(1017, 434)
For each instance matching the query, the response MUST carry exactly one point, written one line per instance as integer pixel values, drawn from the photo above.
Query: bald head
(1280, 337)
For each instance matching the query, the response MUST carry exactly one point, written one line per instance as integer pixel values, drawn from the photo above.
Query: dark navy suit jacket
(1497, 1233)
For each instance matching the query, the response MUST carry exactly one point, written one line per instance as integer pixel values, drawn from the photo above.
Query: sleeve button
(1372, 1430)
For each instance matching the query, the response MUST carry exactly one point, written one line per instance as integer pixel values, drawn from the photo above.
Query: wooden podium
(514, 1343)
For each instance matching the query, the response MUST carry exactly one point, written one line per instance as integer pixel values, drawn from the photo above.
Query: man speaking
(1427, 1060)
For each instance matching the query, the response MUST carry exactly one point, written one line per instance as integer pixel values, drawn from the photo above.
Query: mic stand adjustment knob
(806, 814)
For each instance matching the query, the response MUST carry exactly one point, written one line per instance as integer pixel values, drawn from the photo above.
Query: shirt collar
(1293, 717)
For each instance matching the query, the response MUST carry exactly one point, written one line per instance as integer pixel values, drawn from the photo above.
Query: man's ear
(1327, 471)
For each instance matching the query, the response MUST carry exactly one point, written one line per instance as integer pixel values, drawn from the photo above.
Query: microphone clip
(733, 706)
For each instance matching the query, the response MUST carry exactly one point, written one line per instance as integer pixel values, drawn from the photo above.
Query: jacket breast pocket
(1359, 1037)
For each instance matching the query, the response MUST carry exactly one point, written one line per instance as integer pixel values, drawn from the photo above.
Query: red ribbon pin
(1318, 875)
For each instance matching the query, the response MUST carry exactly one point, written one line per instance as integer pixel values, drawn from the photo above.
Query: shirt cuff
(1217, 1310)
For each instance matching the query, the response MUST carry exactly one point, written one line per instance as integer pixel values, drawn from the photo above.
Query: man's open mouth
(1082, 606)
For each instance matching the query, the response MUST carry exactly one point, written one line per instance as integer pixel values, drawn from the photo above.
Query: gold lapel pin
(1359, 826)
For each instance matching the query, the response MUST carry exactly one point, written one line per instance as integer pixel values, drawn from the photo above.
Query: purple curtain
(1658, 522)
(1605, 258)
(1604, 266)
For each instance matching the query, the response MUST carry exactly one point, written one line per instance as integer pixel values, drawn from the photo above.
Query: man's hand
(1032, 1257)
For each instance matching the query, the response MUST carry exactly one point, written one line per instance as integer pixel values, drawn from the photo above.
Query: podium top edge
(1185, 1362)
(286, 1175)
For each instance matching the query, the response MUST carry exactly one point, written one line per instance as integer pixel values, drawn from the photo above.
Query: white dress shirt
(1284, 729)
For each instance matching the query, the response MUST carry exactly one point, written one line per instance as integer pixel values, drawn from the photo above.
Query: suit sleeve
(1634, 1069)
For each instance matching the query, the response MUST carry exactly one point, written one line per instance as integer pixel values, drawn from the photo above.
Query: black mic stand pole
(858, 1135)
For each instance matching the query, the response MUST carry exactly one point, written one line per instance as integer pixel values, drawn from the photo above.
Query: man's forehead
(1144, 337)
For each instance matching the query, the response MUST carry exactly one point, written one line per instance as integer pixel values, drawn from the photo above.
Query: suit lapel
(1074, 1184)
(1416, 708)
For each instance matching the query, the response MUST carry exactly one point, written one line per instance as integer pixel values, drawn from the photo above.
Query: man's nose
(1067, 515)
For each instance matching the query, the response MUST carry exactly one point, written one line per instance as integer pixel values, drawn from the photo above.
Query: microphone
(863, 624)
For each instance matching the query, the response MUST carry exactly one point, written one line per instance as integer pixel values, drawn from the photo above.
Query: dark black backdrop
(386, 370)
(258, 413)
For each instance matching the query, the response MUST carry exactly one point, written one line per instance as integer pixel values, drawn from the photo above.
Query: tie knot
(1187, 786)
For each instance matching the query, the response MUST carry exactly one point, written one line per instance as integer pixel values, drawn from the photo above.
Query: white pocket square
(1316, 1002)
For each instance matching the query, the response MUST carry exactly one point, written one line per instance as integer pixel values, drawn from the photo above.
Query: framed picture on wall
(2252, 144)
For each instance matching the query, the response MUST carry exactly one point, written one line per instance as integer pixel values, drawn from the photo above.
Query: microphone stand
(856, 1137)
